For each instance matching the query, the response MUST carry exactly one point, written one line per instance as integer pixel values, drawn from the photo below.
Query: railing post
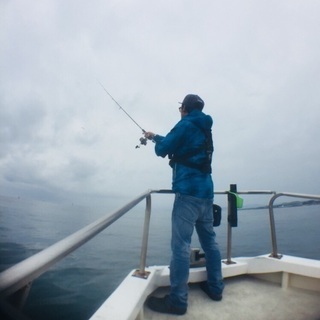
(232, 220)
(19, 298)
(274, 253)
(141, 273)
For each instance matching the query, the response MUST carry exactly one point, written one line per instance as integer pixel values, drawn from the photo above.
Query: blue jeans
(189, 212)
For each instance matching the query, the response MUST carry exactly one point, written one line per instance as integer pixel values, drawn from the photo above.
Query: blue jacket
(186, 138)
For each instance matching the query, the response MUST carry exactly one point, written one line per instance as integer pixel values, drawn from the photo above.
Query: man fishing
(189, 147)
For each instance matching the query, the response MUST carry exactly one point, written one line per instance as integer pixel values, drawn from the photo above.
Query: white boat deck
(255, 288)
(246, 297)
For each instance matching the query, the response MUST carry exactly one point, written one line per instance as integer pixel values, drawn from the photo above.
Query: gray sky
(255, 64)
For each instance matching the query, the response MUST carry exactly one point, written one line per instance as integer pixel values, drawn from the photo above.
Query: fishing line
(143, 141)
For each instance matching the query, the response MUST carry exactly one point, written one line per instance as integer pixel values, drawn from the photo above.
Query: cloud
(256, 65)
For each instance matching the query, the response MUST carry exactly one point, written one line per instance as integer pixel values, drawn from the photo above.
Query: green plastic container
(239, 201)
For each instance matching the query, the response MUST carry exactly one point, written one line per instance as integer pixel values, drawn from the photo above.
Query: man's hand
(149, 135)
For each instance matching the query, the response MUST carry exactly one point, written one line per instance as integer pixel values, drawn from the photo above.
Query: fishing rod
(143, 141)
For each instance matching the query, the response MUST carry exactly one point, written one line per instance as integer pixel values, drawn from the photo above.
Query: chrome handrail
(19, 277)
(24, 272)
(229, 231)
(275, 253)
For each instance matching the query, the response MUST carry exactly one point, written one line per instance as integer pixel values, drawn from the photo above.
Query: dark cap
(192, 101)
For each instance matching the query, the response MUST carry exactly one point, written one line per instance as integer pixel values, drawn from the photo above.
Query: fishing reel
(143, 142)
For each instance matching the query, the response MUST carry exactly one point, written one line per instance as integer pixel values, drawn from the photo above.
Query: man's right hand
(149, 135)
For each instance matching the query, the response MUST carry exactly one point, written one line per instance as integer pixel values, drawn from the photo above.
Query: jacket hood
(200, 119)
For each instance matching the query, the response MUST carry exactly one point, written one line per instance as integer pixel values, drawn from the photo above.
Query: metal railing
(16, 280)
(229, 231)
(275, 253)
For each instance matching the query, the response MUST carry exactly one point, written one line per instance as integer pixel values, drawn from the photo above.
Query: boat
(270, 285)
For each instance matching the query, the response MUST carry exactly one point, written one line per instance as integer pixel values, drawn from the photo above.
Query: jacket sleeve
(168, 144)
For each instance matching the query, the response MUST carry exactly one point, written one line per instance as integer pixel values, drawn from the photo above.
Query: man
(189, 146)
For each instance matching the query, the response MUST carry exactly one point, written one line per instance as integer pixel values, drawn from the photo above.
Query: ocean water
(76, 286)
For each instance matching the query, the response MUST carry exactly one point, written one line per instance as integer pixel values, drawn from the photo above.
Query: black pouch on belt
(216, 215)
